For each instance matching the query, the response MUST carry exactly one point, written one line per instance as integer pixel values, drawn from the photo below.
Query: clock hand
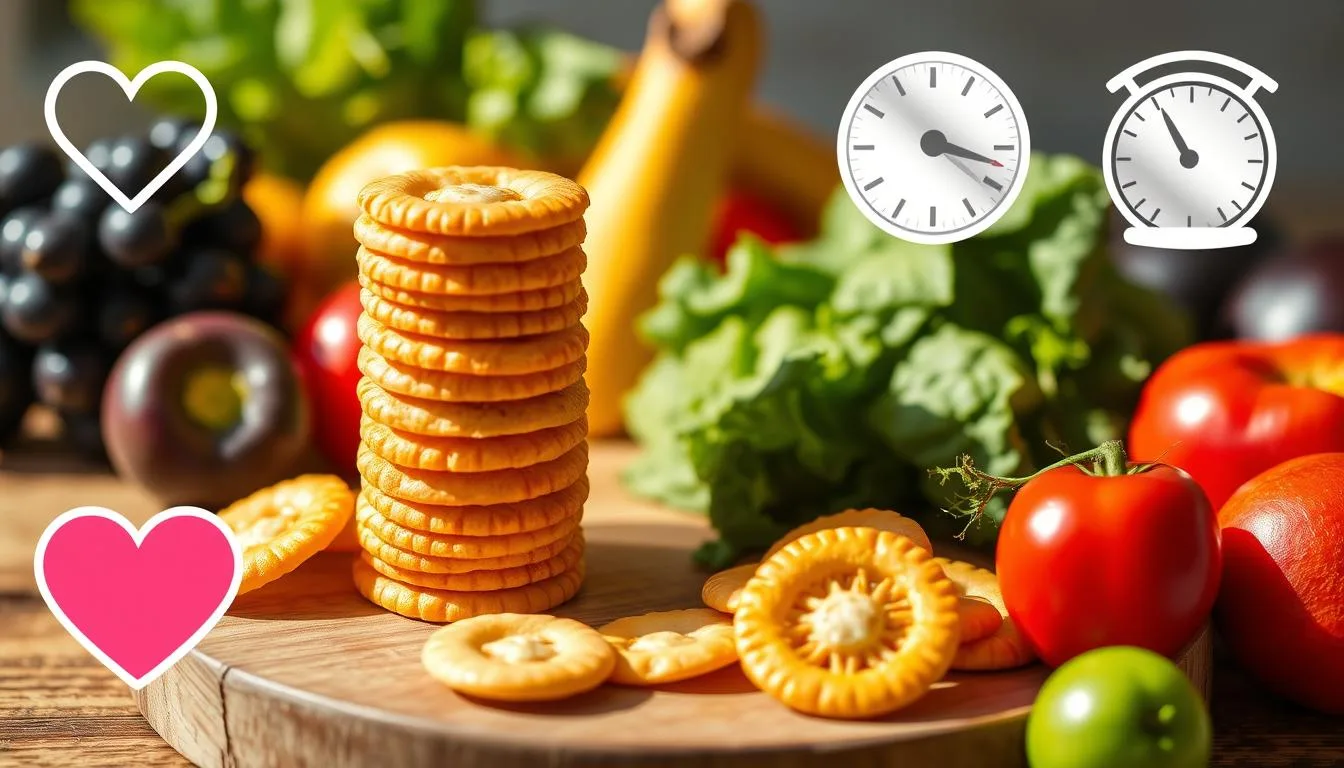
(966, 169)
(934, 143)
(1189, 157)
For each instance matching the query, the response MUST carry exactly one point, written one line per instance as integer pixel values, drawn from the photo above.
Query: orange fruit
(278, 203)
(330, 205)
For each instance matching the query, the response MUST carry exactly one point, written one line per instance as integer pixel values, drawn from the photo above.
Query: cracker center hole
(519, 649)
(658, 641)
(845, 620)
(471, 193)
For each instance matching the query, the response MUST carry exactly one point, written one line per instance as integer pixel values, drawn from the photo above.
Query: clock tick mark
(1123, 159)
(1127, 186)
(873, 183)
(1220, 213)
(1234, 202)
(933, 215)
(993, 110)
(1243, 117)
(1004, 147)
(1225, 103)
(933, 76)
(1141, 118)
(1141, 202)
(1153, 219)
(967, 89)
(863, 146)
(1131, 133)
(992, 184)
(1252, 136)
(1192, 94)
(898, 85)
(1255, 160)
(1187, 222)
(899, 206)
(966, 202)
(1248, 186)
(874, 110)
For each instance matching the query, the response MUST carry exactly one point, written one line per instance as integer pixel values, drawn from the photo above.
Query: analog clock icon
(1190, 157)
(933, 148)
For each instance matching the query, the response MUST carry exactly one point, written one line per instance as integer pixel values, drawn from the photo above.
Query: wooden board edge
(187, 707)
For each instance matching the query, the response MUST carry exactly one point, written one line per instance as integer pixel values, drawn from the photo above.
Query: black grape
(211, 278)
(36, 311)
(55, 246)
(82, 198)
(13, 229)
(69, 376)
(28, 173)
(138, 239)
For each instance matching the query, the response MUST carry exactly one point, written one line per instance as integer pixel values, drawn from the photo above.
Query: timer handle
(1259, 79)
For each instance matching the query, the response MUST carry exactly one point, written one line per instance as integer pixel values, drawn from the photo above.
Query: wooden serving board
(306, 672)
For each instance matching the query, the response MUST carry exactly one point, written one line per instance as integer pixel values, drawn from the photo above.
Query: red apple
(326, 349)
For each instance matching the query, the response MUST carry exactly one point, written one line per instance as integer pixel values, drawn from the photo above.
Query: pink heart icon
(138, 600)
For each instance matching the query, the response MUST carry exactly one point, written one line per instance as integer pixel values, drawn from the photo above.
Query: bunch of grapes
(80, 277)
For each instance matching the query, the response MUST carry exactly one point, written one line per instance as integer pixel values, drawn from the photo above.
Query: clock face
(1189, 154)
(933, 148)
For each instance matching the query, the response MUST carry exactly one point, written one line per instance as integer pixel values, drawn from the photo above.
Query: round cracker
(280, 527)
(411, 561)
(441, 605)
(518, 658)
(500, 486)
(489, 419)
(472, 325)
(444, 387)
(487, 580)
(475, 357)
(880, 519)
(470, 454)
(1006, 648)
(668, 646)
(473, 201)
(444, 249)
(472, 279)
(721, 590)
(522, 301)
(465, 547)
(484, 520)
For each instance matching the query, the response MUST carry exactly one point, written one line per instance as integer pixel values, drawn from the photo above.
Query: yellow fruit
(656, 175)
(330, 205)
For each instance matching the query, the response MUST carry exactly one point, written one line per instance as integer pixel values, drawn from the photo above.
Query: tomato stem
(1106, 460)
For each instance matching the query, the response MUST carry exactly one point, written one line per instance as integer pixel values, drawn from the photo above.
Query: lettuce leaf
(810, 378)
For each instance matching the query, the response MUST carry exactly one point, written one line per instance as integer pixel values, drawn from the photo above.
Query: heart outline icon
(138, 537)
(130, 87)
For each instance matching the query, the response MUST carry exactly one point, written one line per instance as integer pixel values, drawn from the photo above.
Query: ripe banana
(786, 165)
(655, 176)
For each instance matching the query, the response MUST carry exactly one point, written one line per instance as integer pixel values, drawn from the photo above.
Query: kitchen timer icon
(1190, 157)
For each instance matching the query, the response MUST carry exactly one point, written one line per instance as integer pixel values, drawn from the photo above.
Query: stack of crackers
(473, 452)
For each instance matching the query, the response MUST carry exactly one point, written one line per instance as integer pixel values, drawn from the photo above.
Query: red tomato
(1086, 561)
(1227, 411)
(1281, 608)
(740, 212)
(326, 349)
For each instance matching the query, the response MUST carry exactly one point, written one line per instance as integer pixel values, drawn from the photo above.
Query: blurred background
(1056, 56)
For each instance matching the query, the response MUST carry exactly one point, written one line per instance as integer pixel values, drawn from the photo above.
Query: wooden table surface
(59, 707)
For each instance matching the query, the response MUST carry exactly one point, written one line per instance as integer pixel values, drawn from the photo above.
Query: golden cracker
(492, 419)
(470, 454)
(476, 357)
(473, 201)
(511, 657)
(522, 301)
(465, 547)
(486, 580)
(418, 383)
(278, 528)
(441, 605)
(500, 486)
(472, 325)
(669, 646)
(410, 561)
(444, 249)
(483, 520)
(472, 279)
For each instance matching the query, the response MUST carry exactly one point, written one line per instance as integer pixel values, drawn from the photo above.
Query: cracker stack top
(473, 446)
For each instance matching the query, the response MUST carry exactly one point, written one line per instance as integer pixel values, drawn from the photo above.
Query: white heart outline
(130, 87)
(138, 537)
